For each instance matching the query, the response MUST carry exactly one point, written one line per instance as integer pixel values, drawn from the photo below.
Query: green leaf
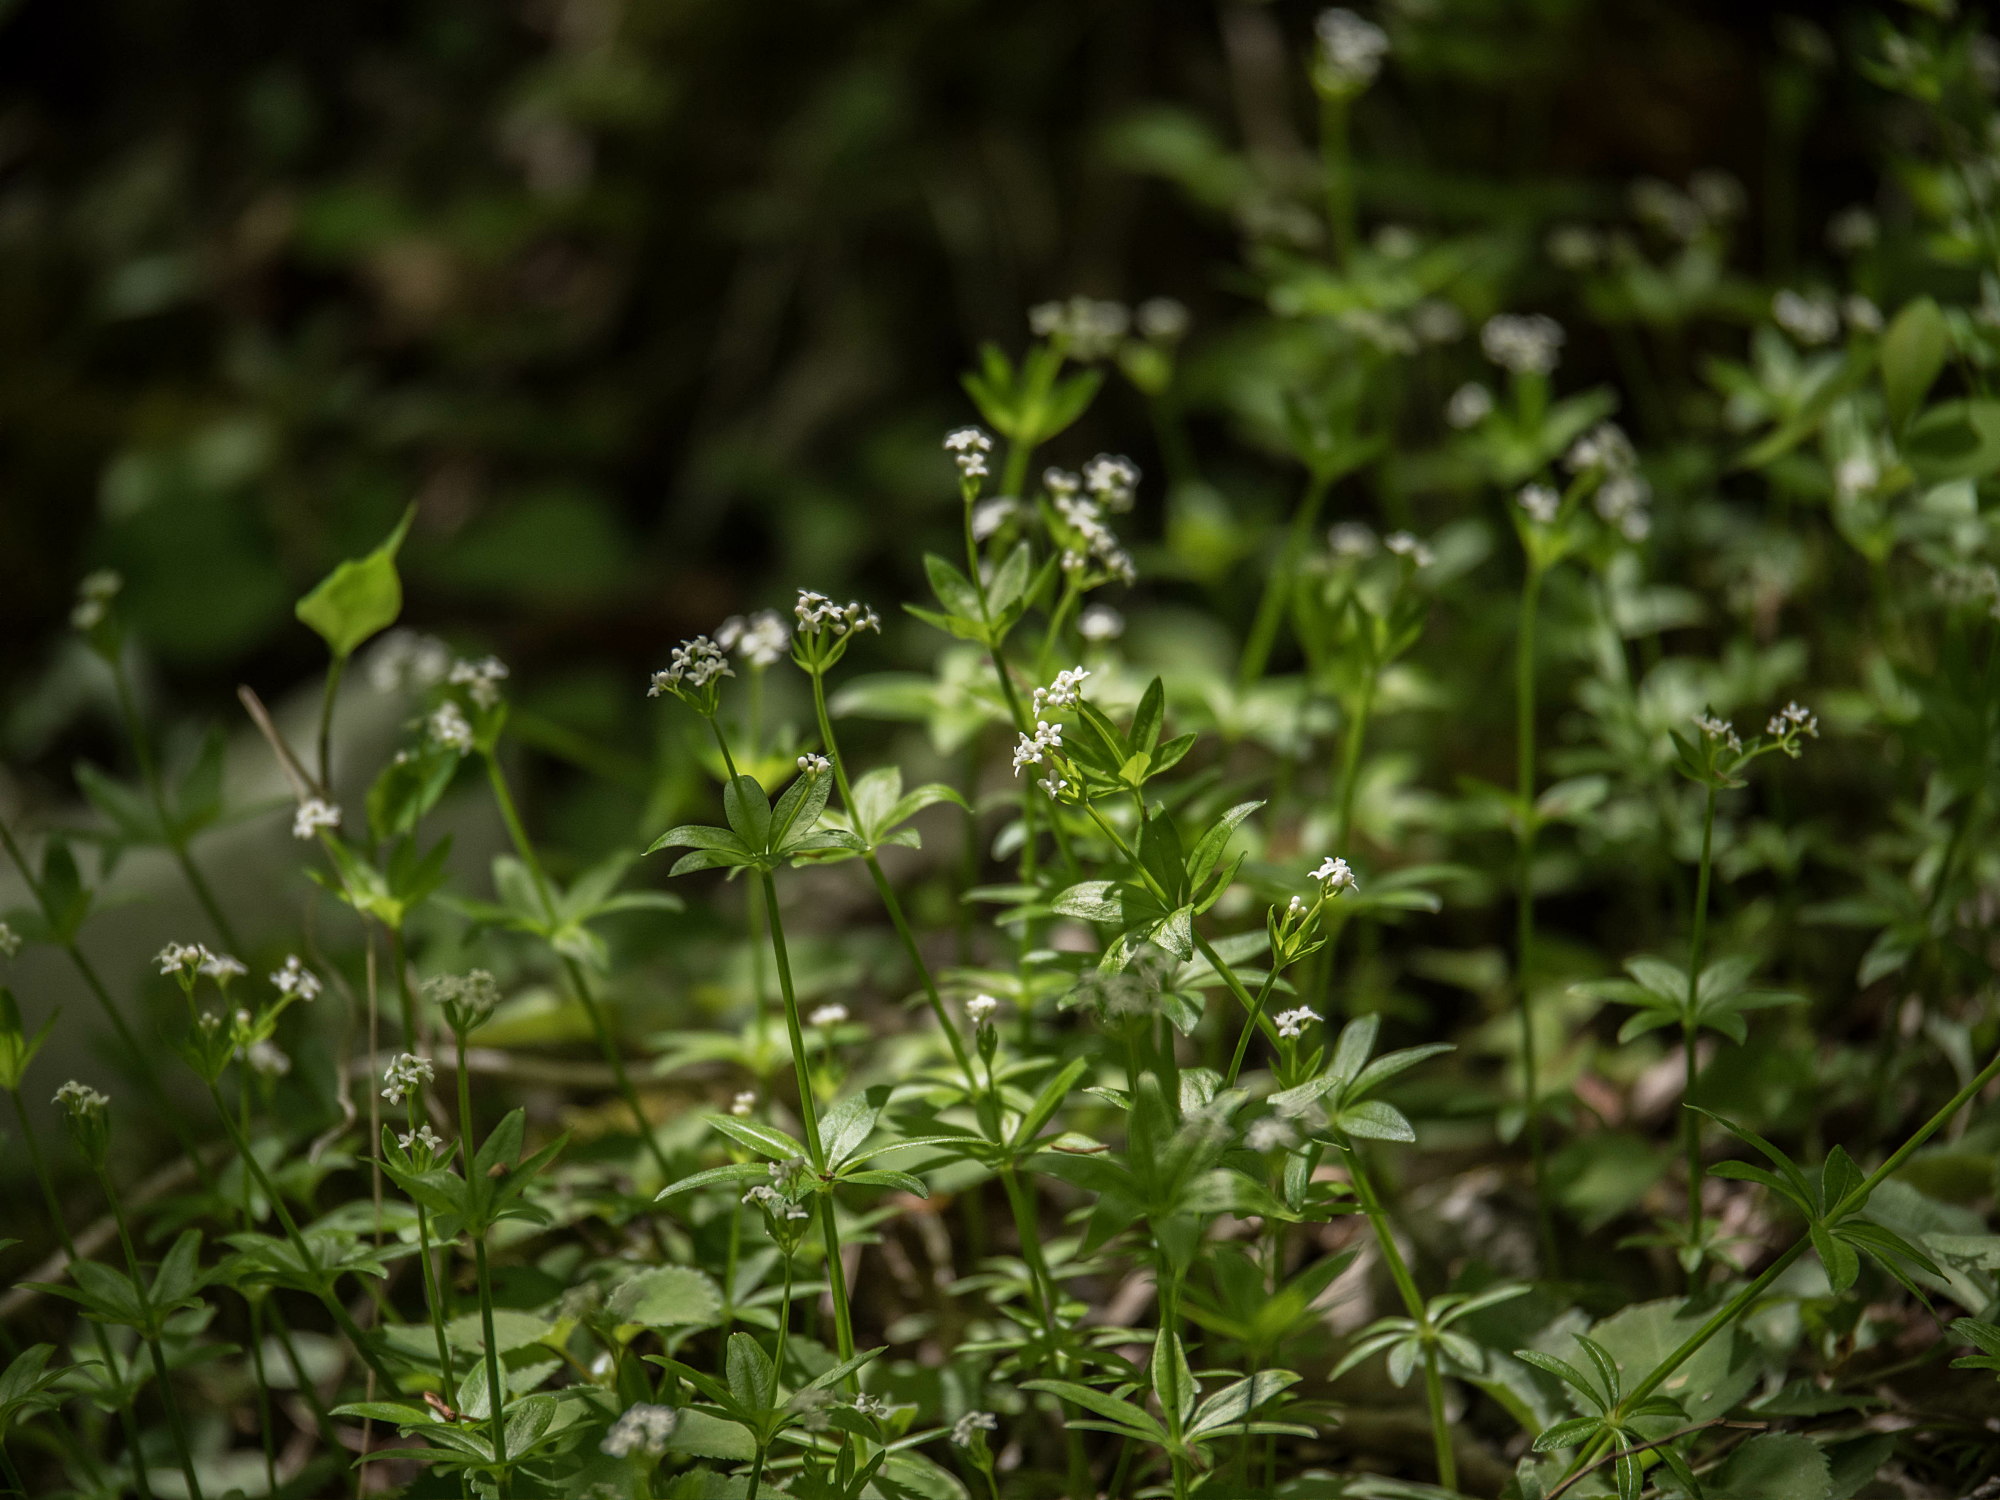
(1955, 440)
(1913, 352)
(668, 1297)
(1124, 1413)
(360, 597)
(1773, 1466)
(752, 1379)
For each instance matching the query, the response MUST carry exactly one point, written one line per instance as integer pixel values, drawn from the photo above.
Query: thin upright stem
(142, 1290)
(1270, 616)
(1353, 737)
(836, 1273)
(1692, 1126)
(1524, 940)
(496, 1393)
(517, 833)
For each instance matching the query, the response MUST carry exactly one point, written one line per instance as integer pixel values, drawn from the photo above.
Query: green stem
(1413, 1303)
(836, 1273)
(1270, 615)
(151, 1333)
(1695, 945)
(434, 1296)
(496, 1393)
(149, 773)
(126, 1416)
(579, 986)
(1524, 789)
(1250, 1027)
(1350, 761)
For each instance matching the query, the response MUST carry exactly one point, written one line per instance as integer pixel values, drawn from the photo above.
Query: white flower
(1720, 730)
(1063, 692)
(1404, 545)
(988, 516)
(1605, 447)
(404, 1074)
(423, 1136)
(1292, 1023)
(296, 981)
(871, 1406)
(1033, 747)
(1271, 1134)
(1087, 327)
(222, 968)
(314, 814)
(406, 661)
(1469, 405)
(449, 727)
(973, 1422)
(1852, 229)
(811, 765)
(93, 598)
(1335, 875)
(1862, 315)
(1793, 719)
(1810, 320)
(1099, 623)
(645, 1428)
(10, 941)
(763, 638)
(1294, 909)
(693, 664)
(1525, 343)
(81, 1100)
(1055, 786)
(828, 1015)
(968, 447)
(1061, 483)
(815, 612)
(1856, 474)
(1622, 500)
(265, 1057)
(743, 1104)
(1350, 49)
(980, 1008)
(1540, 502)
(1351, 539)
(1100, 545)
(183, 958)
(1112, 481)
(481, 679)
(1162, 318)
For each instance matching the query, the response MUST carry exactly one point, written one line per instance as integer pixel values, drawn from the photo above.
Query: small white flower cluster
(1033, 747)
(10, 941)
(1088, 328)
(1624, 496)
(1605, 446)
(872, 1406)
(1335, 875)
(1351, 49)
(775, 1203)
(404, 1074)
(973, 1422)
(816, 612)
(762, 638)
(831, 1014)
(1112, 480)
(968, 447)
(1086, 516)
(422, 1136)
(469, 998)
(693, 665)
(1793, 720)
(182, 958)
(743, 1104)
(988, 516)
(314, 814)
(1540, 502)
(1352, 540)
(222, 968)
(1720, 730)
(1524, 343)
(80, 1100)
(1292, 1023)
(1624, 501)
(267, 1058)
(1813, 319)
(93, 598)
(1271, 1133)
(1856, 475)
(1863, 315)
(408, 661)
(980, 1010)
(481, 679)
(811, 765)
(1162, 319)
(1063, 692)
(1100, 623)
(449, 727)
(1406, 546)
(645, 1428)
(1469, 405)
(295, 981)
